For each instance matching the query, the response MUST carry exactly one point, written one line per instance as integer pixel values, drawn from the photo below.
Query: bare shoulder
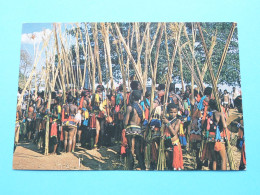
(129, 108)
(206, 99)
(218, 115)
(178, 121)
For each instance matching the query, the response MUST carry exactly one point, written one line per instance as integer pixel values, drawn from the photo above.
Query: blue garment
(200, 104)
(143, 104)
(218, 137)
(188, 100)
(138, 110)
(156, 123)
(119, 99)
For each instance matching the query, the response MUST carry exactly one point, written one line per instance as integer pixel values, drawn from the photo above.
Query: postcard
(129, 96)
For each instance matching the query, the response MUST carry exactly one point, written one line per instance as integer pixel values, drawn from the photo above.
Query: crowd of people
(108, 117)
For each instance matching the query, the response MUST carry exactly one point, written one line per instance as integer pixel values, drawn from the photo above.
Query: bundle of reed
(153, 68)
(161, 165)
(96, 50)
(50, 84)
(214, 85)
(136, 66)
(105, 34)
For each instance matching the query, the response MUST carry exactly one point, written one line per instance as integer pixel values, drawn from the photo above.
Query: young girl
(171, 134)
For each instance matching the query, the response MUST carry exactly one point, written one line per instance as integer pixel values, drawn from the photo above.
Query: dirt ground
(28, 157)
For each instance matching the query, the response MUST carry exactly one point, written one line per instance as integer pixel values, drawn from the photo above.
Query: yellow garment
(59, 109)
(176, 142)
(103, 105)
(134, 126)
(97, 98)
(181, 129)
(86, 114)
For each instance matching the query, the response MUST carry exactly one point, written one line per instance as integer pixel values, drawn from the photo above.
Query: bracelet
(168, 124)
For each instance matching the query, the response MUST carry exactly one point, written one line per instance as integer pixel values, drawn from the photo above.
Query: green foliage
(25, 66)
(230, 73)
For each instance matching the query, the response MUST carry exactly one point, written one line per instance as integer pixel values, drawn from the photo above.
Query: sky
(39, 30)
(42, 30)
(35, 27)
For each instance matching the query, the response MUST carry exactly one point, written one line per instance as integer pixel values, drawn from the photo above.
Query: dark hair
(195, 92)
(58, 99)
(120, 88)
(101, 87)
(132, 77)
(213, 104)
(186, 95)
(134, 85)
(208, 91)
(172, 106)
(70, 98)
(161, 87)
(42, 94)
(148, 93)
(136, 95)
(83, 93)
(109, 97)
(238, 103)
(172, 87)
(162, 100)
(53, 95)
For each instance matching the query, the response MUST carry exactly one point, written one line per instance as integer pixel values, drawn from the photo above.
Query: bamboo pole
(121, 62)
(193, 61)
(190, 68)
(105, 34)
(70, 64)
(138, 74)
(61, 67)
(92, 61)
(139, 46)
(96, 51)
(192, 47)
(148, 135)
(214, 84)
(78, 61)
(146, 61)
(48, 89)
(205, 66)
(47, 83)
(105, 54)
(81, 81)
(153, 68)
(36, 61)
(86, 52)
(181, 70)
(223, 57)
(161, 158)
(65, 59)
(127, 59)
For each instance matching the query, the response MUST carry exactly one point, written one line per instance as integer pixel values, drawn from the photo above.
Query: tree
(25, 65)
